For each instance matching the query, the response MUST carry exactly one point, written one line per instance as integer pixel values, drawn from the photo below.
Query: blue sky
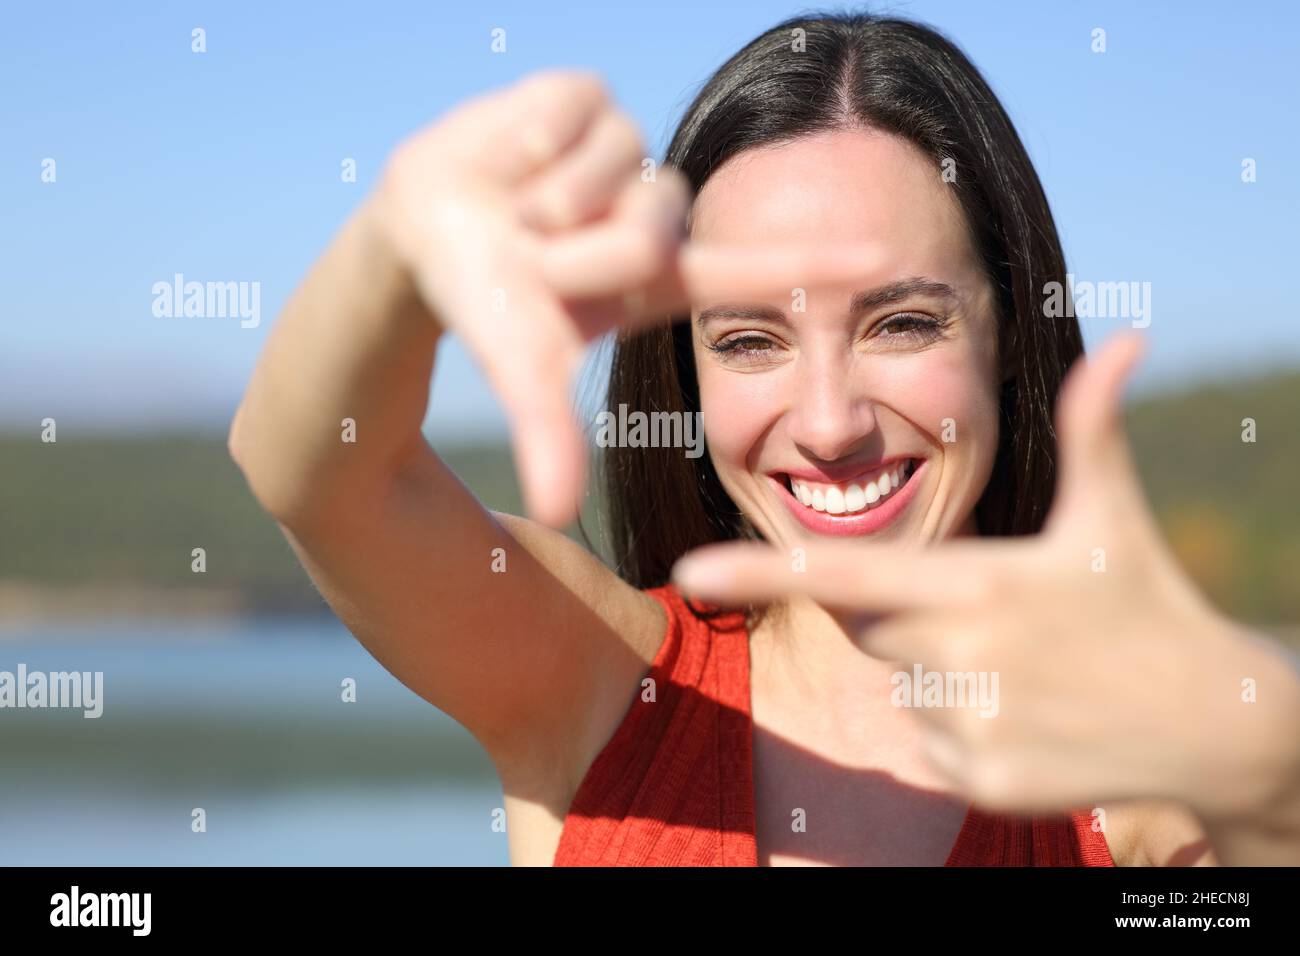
(224, 166)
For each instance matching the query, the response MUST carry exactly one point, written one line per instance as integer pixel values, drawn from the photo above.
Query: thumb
(1095, 460)
(550, 455)
(533, 378)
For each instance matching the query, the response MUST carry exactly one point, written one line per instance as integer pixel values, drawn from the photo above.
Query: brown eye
(912, 327)
(744, 347)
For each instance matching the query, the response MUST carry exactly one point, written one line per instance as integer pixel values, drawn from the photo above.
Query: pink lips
(847, 472)
(864, 522)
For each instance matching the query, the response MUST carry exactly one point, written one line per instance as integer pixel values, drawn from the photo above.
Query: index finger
(510, 133)
(854, 575)
(709, 272)
(697, 274)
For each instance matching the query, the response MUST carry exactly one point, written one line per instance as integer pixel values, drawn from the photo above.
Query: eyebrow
(861, 302)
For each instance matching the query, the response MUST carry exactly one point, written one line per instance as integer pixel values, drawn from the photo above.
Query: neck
(807, 655)
(806, 660)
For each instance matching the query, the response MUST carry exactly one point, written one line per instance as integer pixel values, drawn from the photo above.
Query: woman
(862, 333)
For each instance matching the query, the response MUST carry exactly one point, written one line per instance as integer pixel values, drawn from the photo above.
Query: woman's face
(863, 411)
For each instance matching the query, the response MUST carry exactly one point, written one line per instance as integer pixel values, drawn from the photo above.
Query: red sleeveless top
(674, 786)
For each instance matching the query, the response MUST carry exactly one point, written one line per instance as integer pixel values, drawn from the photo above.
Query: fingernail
(699, 574)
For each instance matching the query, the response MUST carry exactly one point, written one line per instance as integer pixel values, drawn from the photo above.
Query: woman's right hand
(531, 222)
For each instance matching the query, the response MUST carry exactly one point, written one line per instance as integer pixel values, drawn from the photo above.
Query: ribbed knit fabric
(674, 786)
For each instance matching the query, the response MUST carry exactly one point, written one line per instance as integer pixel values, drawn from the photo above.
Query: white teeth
(855, 499)
(851, 498)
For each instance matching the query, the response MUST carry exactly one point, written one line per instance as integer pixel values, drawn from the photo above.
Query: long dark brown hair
(899, 77)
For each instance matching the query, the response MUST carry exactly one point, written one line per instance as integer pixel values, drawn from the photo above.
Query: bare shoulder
(630, 626)
(631, 612)
(541, 776)
(1157, 833)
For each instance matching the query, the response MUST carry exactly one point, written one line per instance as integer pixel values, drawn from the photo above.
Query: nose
(831, 417)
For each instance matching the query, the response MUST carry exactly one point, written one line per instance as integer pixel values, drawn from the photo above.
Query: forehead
(844, 185)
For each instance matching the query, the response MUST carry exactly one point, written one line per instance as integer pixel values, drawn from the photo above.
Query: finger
(531, 360)
(917, 637)
(857, 576)
(707, 273)
(510, 134)
(585, 182)
(1096, 463)
(550, 452)
(612, 264)
(551, 458)
(622, 255)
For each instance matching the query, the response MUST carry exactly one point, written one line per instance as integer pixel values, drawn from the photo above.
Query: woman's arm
(353, 348)
(508, 626)
(522, 224)
(397, 545)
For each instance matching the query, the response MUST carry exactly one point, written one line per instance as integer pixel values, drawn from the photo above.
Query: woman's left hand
(1115, 677)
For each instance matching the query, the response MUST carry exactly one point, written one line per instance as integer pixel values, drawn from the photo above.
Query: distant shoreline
(24, 603)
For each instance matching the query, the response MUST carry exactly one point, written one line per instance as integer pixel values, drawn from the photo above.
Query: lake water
(245, 721)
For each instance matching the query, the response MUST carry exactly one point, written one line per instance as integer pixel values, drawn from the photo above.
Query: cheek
(737, 411)
(950, 394)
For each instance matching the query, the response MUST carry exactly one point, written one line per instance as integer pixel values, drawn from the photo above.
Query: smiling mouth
(865, 493)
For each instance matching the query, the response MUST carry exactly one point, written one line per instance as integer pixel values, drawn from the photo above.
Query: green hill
(1229, 506)
(125, 513)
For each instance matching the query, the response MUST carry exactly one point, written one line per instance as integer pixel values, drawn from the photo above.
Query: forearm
(354, 342)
